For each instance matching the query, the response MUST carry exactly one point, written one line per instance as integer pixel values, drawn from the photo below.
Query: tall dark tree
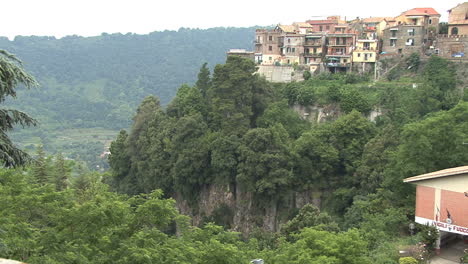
(231, 95)
(41, 168)
(61, 173)
(12, 74)
(204, 81)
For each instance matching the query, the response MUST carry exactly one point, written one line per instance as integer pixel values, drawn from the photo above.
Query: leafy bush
(407, 260)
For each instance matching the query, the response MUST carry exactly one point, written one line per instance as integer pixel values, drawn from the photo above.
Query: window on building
(366, 56)
(321, 28)
(345, 60)
(270, 38)
(289, 61)
(411, 32)
(293, 50)
(370, 55)
(270, 48)
(307, 51)
(454, 31)
(393, 33)
(393, 42)
(430, 21)
(410, 42)
(327, 27)
(289, 40)
(258, 39)
(270, 58)
(359, 55)
(315, 50)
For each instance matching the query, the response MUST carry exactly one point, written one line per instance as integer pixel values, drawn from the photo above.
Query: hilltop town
(336, 45)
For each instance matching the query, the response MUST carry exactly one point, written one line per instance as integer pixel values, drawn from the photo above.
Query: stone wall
(453, 47)
(281, 74)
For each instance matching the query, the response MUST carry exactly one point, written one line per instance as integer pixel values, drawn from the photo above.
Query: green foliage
(441, 75)
(443, 28)
(413, 62)
(244, 138)
(309, 216)
(353, 99)
(264, 161)
(41, 167)
(306, 75)
(204, 81)
(236, 96)
(407, 260)
(316, 247)
(12, 74)
(61, 174)
(434, 143)
(280, 113)
(188, 101)
(101, 91)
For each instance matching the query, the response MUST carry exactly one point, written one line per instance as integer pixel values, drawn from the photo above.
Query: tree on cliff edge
(11, 75)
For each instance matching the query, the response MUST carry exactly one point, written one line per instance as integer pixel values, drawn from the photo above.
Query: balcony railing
(309, 54)
(339, 44)
(338, 54)
(364, 48)
(337, 64)
(307, 43)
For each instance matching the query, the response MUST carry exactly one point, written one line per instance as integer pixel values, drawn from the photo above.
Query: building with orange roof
(425, 16)
(442, 201)
(414, 31)
(325, 25)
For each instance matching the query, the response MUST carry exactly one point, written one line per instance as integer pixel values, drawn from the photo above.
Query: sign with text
(443, 226)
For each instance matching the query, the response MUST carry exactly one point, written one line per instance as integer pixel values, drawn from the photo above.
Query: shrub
(407, 260)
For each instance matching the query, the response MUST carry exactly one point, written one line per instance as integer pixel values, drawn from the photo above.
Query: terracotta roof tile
(373, 19)
(287, 28)
(303, 24)
(421, 11)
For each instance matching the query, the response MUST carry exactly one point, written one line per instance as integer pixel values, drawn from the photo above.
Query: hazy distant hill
(91, 86)
(98, 81)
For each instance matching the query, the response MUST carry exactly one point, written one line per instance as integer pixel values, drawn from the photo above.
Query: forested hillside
(96, 83)
(230, 152)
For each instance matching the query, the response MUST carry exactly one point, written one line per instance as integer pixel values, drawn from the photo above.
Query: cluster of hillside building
(339, 45)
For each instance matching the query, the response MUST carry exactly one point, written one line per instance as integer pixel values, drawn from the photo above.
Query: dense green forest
(234, 129)
(91, 86)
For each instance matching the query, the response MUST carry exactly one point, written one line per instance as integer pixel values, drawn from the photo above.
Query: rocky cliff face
(240, 210)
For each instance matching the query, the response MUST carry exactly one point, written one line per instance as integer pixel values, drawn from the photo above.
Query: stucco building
(267, 46)
(442, 201)
(325, 25)
(413, 31)
(340, 46)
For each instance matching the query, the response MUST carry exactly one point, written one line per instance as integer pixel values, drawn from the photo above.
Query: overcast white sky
(92, 17)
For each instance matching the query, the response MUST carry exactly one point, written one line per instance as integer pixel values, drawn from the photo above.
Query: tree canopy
(12, 74)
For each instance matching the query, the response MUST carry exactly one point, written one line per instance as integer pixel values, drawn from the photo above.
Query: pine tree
(11, 75)
(61, 173)
(204, 82)
(41, 167)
